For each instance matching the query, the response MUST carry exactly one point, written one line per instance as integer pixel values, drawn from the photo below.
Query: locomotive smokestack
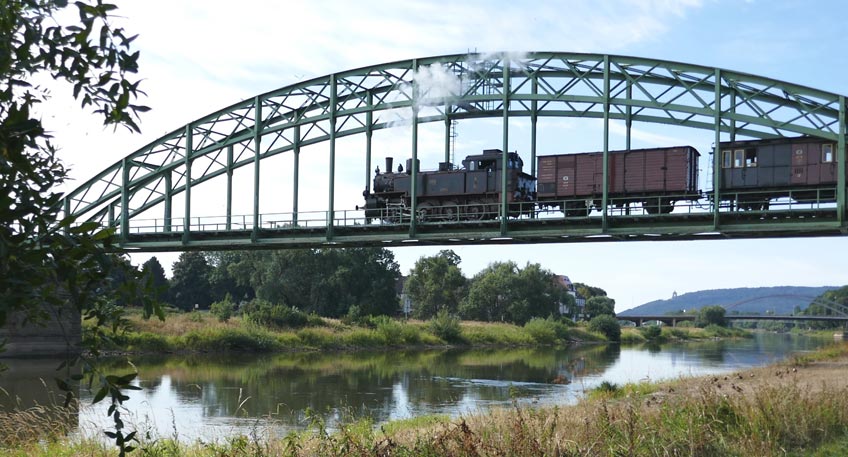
(389, 162)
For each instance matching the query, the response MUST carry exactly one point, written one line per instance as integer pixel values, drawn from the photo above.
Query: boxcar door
(799, 164)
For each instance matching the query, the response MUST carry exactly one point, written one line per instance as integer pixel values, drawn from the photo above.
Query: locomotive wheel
(449, 211)
(476, 210)
(424, 211)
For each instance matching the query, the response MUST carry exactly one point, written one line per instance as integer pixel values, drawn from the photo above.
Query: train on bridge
(753, 173)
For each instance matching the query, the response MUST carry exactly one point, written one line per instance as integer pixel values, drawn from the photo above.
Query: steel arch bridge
(137, 194)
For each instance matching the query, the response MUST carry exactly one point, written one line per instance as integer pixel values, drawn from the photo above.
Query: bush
(678, 333)
(223, 309)
(632, 337)
(651, 332)
(354, 316)
(547, 331)
(267, 314)
(394, 332)
(446, 326)
(314, 320)
(607, 326)
(227, 339)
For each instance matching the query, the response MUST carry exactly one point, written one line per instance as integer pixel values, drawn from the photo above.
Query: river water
(210, 397)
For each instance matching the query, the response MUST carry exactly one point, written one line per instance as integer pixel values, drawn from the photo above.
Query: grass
(830, 352)
(771, 422)
(634, 335)
(202, 332)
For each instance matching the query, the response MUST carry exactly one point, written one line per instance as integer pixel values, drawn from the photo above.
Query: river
(210, 397)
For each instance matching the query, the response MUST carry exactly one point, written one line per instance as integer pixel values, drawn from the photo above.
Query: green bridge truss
(143, 184)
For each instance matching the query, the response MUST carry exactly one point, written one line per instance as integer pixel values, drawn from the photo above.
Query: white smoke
(437, 86)
(514, 59)
(440, 86)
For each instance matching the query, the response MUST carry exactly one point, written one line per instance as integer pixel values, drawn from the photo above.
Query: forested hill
(775, 299)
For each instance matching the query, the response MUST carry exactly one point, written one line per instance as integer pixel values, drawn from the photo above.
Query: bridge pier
(59, 335)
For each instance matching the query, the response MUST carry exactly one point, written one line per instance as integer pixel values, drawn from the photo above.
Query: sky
(198, 57)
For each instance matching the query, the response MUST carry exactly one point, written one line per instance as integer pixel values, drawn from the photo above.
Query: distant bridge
(674, 319)
(840, 312)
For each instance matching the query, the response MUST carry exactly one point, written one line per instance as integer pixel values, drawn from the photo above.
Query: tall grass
(198, 331)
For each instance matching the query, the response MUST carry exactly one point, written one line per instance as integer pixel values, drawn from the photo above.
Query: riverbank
(202, 332)
(796, 407)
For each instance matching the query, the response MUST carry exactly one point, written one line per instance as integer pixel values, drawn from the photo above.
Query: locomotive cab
(491, 159)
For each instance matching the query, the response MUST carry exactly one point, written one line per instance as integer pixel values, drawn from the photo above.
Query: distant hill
(780, 300)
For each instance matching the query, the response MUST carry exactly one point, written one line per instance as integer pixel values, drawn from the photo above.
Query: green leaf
(101, 394)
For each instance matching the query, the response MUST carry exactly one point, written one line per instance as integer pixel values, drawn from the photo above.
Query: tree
(324, 281)
(598, 306)
(190, 282)
(711, 315)
(223, 281)
(827, 304)
(504, 292)
(435, 283)
(153, 275)
(606, 325)
(45, 261)
(588, 292)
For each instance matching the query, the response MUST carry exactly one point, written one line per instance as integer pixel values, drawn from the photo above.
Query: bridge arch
(504, 85)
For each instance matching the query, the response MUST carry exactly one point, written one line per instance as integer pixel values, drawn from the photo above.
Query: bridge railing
(798, 201)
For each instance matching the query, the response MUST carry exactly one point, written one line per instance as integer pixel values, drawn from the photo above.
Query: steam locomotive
(753, 173)
(472, 192)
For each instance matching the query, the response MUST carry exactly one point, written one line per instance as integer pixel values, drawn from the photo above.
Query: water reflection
(29, 384)
(213, 396)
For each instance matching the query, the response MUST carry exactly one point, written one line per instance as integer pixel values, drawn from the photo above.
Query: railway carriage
(655, 178)
(754, 172)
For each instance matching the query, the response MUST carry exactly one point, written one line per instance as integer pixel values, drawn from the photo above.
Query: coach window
(827, 153)
(739, 158)
(726, 159)
(750, 158)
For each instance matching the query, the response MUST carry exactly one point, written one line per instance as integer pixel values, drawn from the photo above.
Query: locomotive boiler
(469, 192)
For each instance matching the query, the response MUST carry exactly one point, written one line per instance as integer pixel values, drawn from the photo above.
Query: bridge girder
(541, 84)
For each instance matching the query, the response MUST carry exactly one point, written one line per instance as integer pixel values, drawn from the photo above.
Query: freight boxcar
(753, 172)
(655, 178)
(448, 194)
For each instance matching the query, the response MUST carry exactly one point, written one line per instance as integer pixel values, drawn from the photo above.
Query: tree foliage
(828, 304)
(588, 292)
(222, 281)
(47, 260)
(599, 305)
(606, 325)
(504, 292)
(435, 283)
(711, 315)
(190, 282)
(153, 275)
(325, 282)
